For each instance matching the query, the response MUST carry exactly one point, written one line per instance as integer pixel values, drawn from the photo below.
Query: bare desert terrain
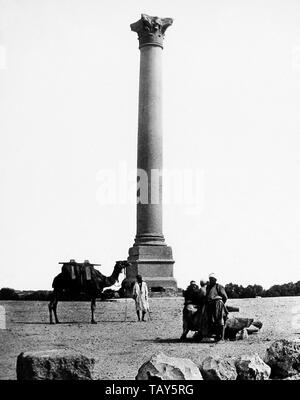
(121, 347)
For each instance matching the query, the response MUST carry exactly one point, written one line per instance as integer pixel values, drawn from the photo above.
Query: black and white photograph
(150, 193)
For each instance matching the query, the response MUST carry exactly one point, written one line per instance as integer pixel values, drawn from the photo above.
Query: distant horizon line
(234, 283)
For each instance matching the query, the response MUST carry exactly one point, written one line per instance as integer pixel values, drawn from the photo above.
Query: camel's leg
(93, 307)
(50, 307)
(55, 310)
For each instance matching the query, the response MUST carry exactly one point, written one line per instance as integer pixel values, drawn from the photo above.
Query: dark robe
(216, 298)
(194, 295)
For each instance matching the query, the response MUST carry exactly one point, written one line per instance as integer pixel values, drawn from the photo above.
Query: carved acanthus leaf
(151, 30)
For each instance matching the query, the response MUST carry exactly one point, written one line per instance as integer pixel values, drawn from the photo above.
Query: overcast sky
(68, 111)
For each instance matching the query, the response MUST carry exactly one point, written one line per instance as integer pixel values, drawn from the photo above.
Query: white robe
(141, 299)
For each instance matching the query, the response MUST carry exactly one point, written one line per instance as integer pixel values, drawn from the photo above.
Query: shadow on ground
(167, 340)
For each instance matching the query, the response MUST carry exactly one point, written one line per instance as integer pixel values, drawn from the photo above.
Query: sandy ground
(120, 347)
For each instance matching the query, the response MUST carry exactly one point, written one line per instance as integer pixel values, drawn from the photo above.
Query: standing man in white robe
(140, 295)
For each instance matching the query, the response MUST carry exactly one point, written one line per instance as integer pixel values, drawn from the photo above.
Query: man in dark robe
(216, 298)
(191, 293)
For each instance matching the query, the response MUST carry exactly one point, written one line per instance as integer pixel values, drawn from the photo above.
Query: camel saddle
(78, 271)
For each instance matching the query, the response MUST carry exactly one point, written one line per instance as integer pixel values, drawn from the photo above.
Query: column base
(155, 264)
(148, 239)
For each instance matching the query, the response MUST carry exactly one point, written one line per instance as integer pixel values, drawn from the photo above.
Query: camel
(92, 285)
(195, 319)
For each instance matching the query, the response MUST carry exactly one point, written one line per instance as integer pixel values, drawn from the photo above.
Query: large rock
(162, 367)
(283, 356)
(235, 325)
(252, 367)
(218, 369)
(54, 364)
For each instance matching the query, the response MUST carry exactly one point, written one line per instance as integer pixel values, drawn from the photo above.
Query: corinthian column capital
(151, 30)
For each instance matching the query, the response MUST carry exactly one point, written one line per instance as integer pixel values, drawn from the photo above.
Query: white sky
(68, 109)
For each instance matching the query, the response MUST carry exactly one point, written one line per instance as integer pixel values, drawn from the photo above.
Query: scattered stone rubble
(281, 361)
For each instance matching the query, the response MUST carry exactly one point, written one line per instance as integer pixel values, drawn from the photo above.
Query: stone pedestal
(154, 263)
(150, 256)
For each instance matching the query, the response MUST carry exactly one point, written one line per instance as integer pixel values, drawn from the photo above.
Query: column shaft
(149, 158)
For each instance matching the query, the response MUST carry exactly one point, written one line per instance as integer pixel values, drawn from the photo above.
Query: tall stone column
(150, 256)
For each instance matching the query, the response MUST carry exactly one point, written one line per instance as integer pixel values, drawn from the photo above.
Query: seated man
(216, 298)
(191, 293)
(192, 310)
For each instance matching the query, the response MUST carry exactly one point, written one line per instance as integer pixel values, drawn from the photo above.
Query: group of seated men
(210, 296)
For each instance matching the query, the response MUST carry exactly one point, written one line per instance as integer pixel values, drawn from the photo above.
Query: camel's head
(122, 265)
